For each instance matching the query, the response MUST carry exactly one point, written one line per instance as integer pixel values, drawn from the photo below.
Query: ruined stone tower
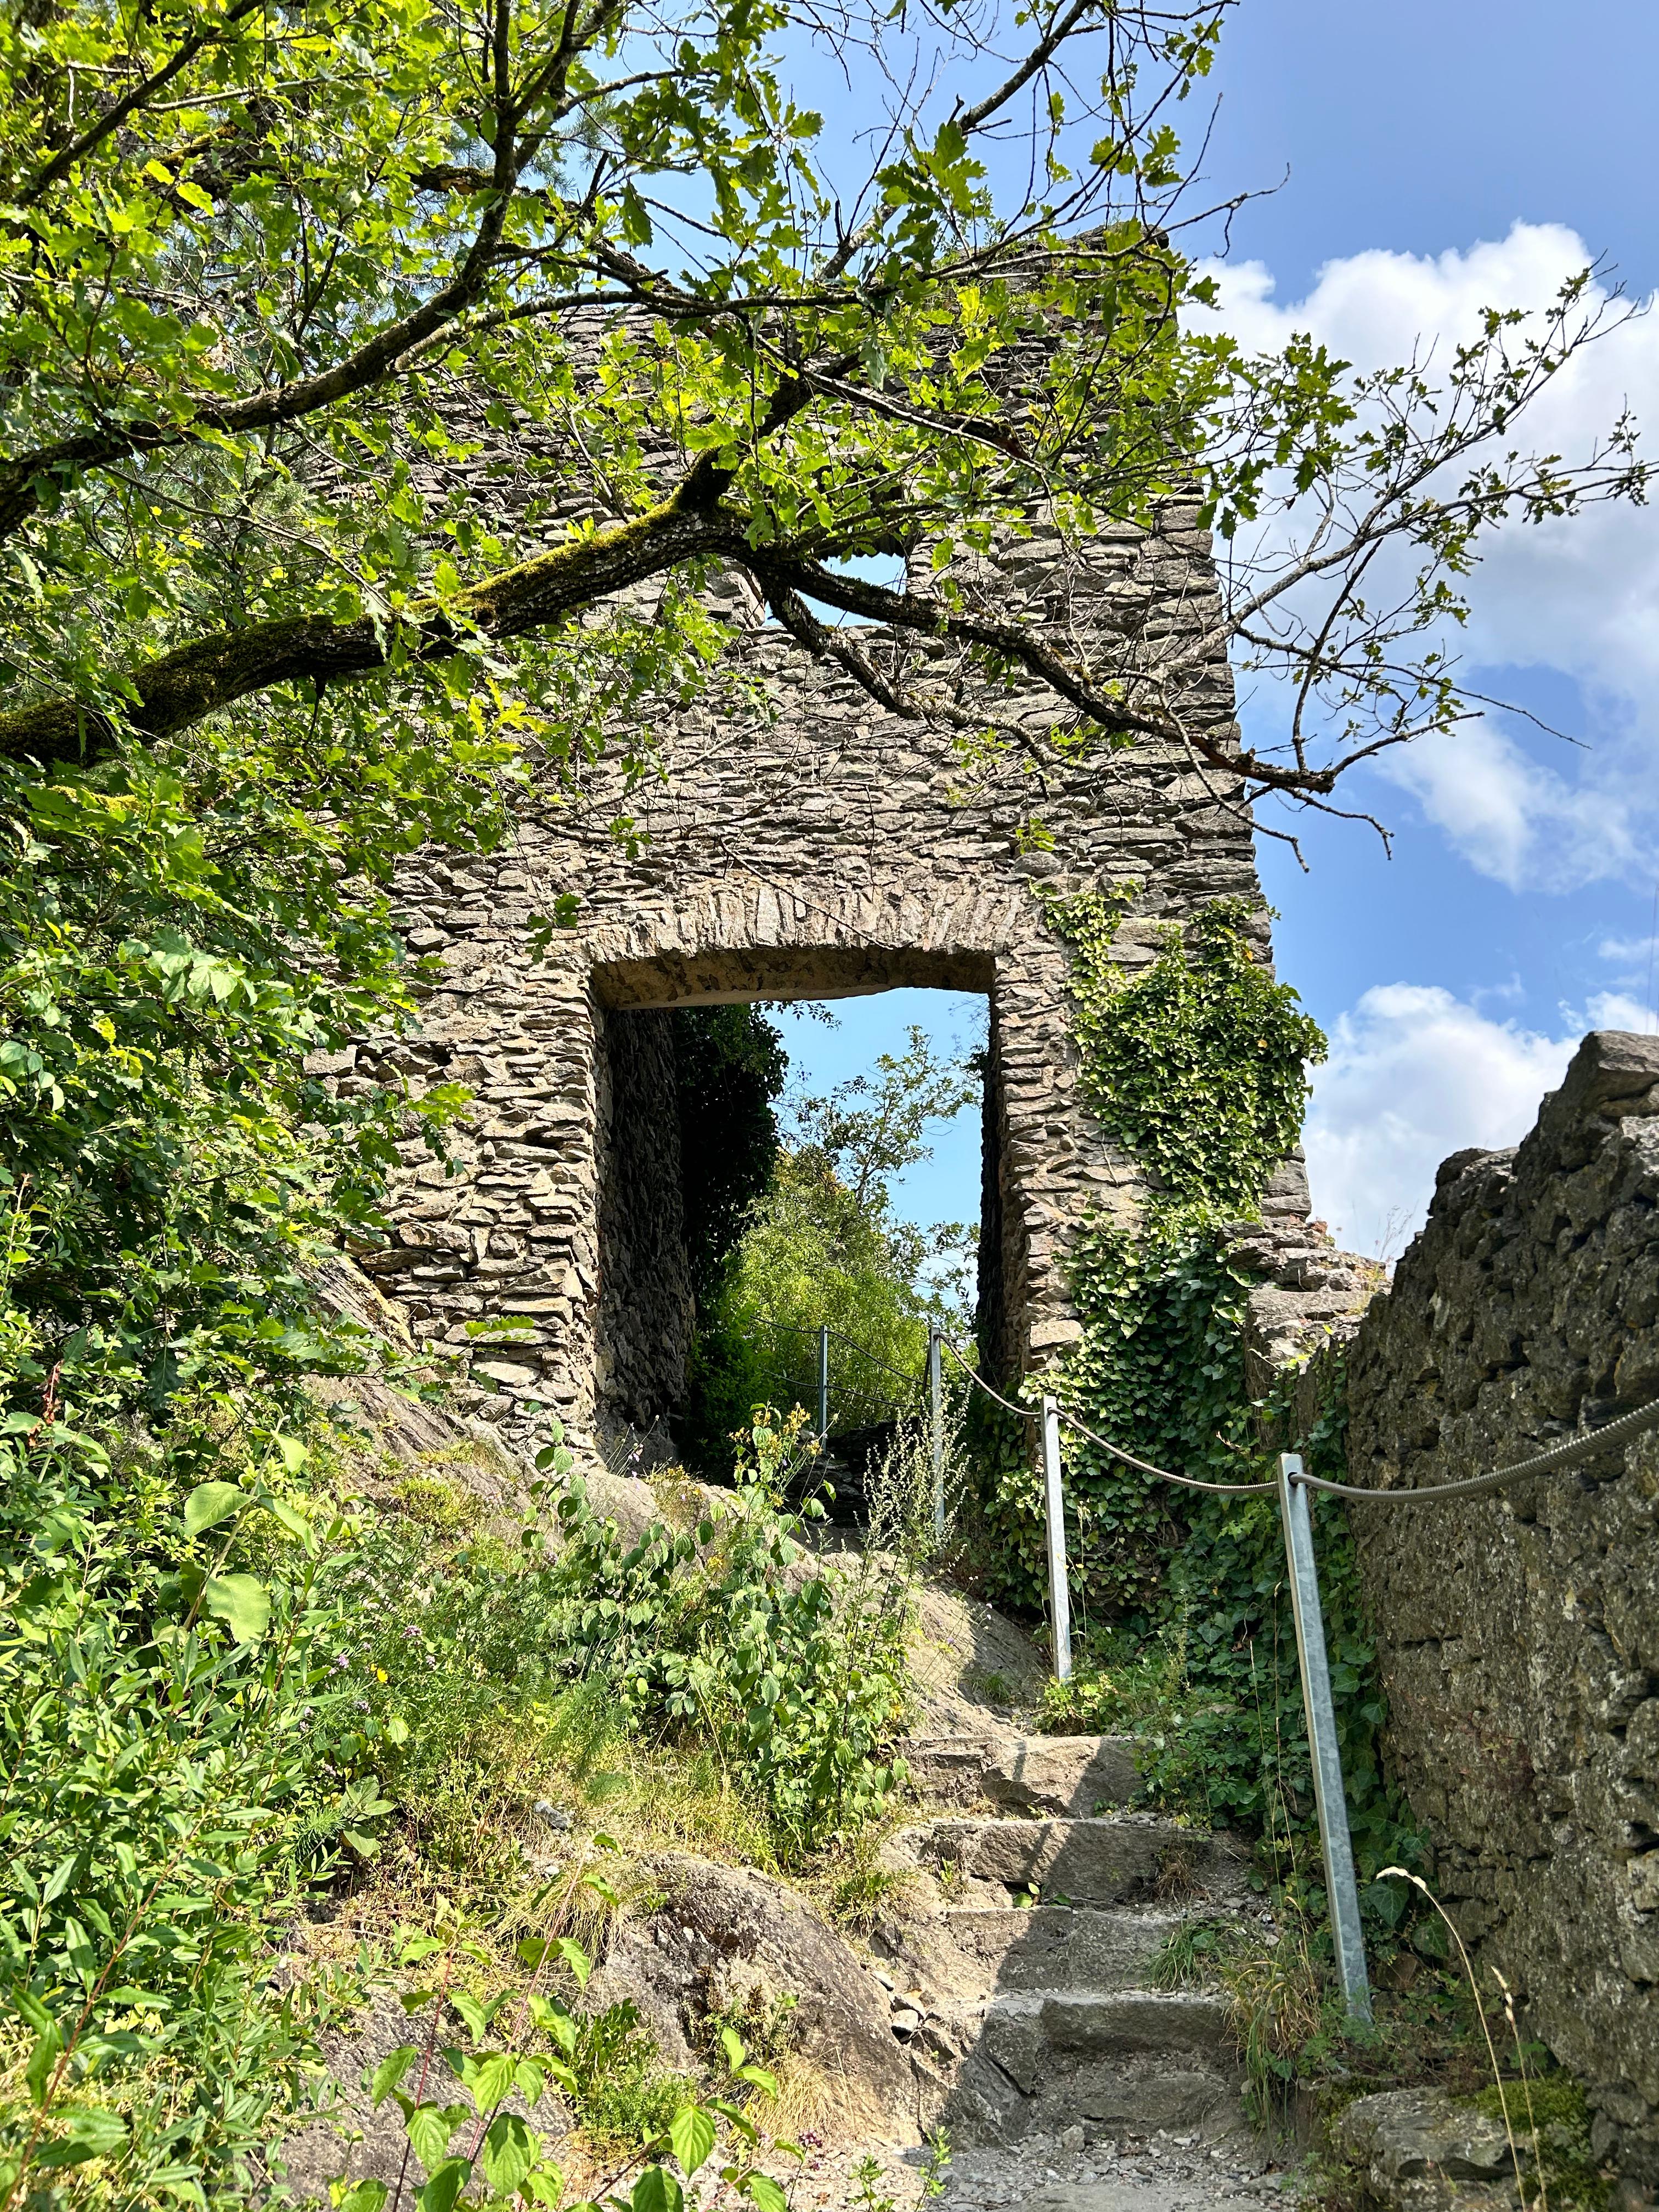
(806, 844)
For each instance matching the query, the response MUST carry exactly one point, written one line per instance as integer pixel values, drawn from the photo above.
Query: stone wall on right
(1519, 1632)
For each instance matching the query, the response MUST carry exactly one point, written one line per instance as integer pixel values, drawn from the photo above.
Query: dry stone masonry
(1519, 1632)
(799, 843)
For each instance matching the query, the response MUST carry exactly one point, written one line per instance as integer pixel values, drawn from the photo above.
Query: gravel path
(1044, 2174)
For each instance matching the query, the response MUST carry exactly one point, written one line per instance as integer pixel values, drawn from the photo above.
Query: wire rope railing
(1293, 1486)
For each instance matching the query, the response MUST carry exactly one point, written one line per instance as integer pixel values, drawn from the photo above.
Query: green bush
(181, 1755)
(723, 1634)
(178, 929)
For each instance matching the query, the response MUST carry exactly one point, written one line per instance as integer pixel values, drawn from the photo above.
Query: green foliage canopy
(730, 1067)
(285, 287)
(824, 1246)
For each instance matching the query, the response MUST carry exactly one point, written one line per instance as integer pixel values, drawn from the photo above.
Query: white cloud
(1617, 1010)
(1522, 825)
(1415, 1074)
(1579, 597)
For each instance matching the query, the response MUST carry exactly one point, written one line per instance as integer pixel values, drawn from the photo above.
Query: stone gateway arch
(800, 842)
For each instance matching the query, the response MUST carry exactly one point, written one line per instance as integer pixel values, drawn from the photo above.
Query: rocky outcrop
(1518, 1633)
(726, 1939)
(1415, 2150)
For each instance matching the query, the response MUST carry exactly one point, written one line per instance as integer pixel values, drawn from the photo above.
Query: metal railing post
(936, 1410)
(823, 1381)
(1053, 1507)
(1341, 1888)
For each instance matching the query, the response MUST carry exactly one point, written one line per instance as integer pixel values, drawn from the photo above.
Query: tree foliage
(730, 1067)
(285, 289)
(824, 1246)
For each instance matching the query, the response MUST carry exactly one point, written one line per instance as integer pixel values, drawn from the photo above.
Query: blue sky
(1434, 160)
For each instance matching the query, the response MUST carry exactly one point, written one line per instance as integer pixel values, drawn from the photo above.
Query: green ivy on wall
(1197, 1068)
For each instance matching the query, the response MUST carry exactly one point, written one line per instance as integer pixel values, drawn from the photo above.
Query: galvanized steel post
(1341, 1888)
(823, 1383)
(1054, 1506)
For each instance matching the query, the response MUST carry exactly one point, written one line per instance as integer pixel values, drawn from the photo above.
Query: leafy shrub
(725, 1633)
(181, 1753)
(180, 927)
(523, 2047)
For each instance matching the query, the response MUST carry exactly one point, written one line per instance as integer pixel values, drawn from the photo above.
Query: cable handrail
(1145, 1466)
(1164, 1474)
(1572, 1452)
(1292, 1489)
(800, 1328)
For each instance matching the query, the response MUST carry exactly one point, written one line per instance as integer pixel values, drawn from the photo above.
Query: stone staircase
(1020, 1961)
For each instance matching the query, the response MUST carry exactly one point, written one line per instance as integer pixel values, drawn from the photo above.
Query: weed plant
(723, 1647)
(512, 2050)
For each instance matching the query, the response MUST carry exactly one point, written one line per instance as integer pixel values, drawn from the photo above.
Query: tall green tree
(730, 1067)
(283, 286)
(824, 1246)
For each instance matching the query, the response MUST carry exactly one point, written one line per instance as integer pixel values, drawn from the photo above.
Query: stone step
(1025, 2030)
(975, 1950)
(1134, 1857)
(1077, 1774)
(1132, 2060)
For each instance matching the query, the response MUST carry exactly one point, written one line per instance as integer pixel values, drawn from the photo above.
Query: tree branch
(182, 688)
(114, 116)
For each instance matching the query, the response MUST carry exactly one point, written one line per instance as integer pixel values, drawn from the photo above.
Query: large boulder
(721, 1939)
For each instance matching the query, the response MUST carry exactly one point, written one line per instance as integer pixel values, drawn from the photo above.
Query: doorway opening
(797, 1188)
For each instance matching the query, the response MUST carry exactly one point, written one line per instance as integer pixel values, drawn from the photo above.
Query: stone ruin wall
(1519, 1632)
(800, 842)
